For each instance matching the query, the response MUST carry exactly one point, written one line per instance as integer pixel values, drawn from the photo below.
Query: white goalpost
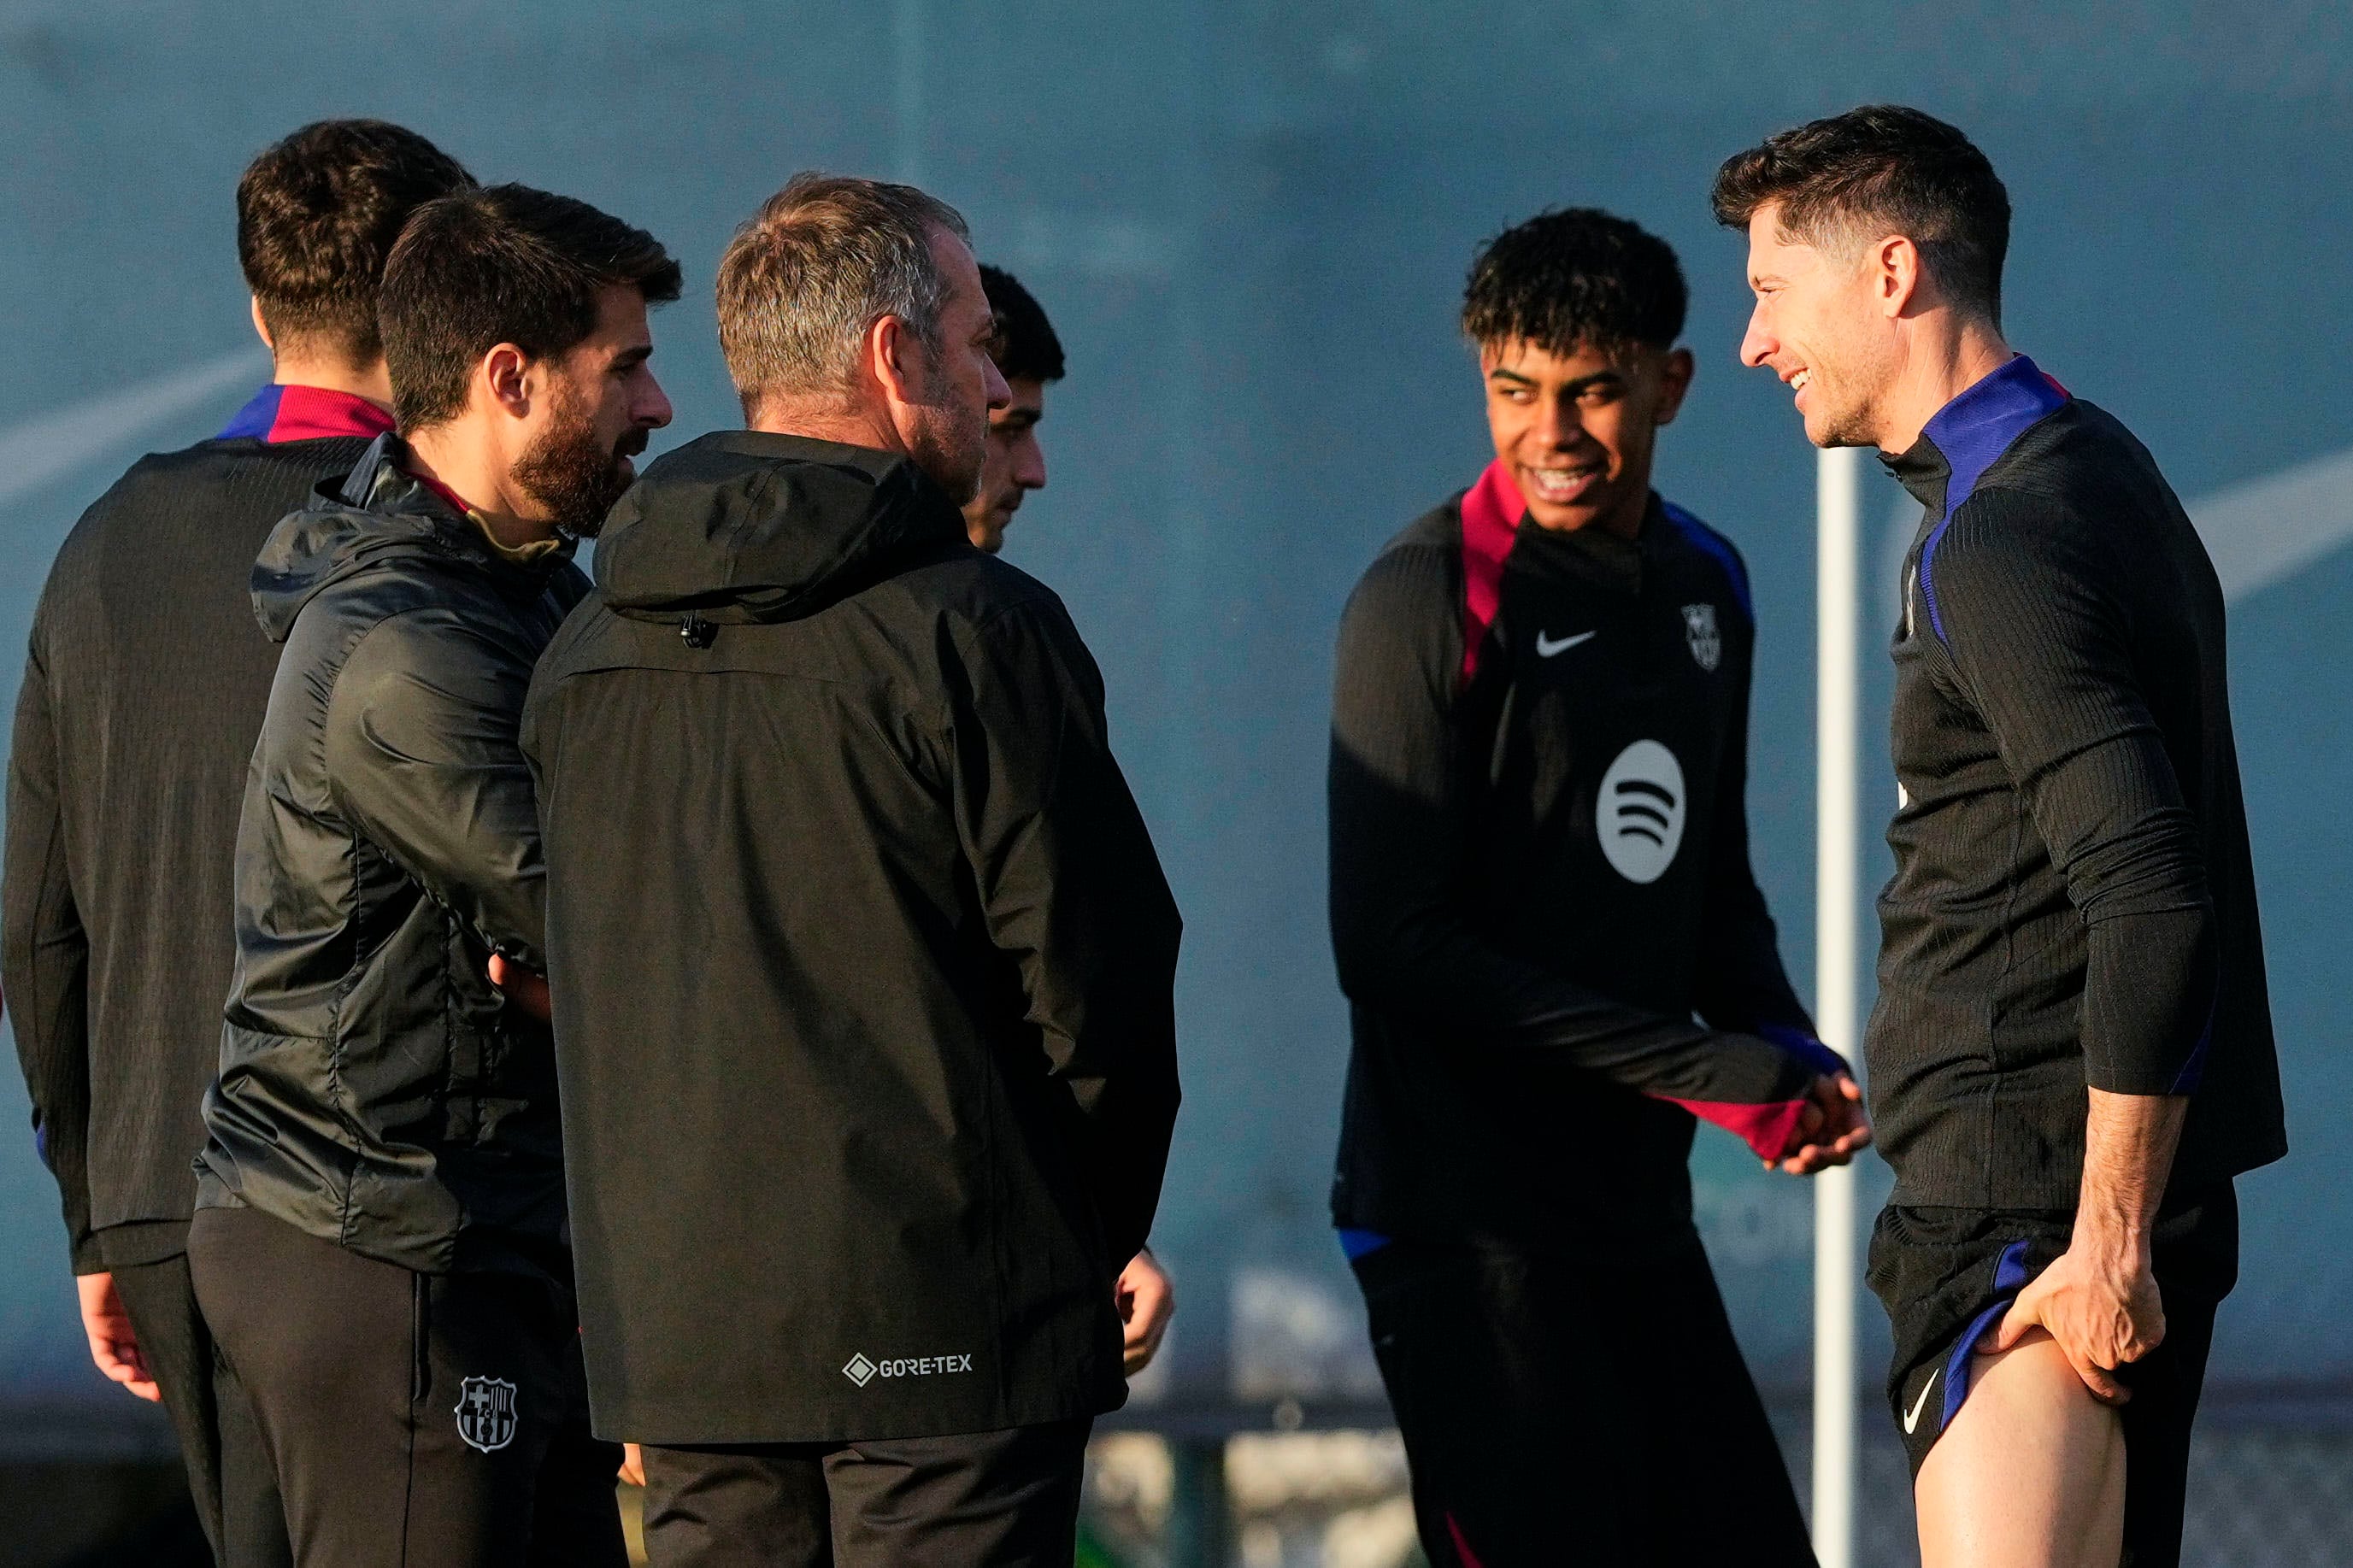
(1837, 977)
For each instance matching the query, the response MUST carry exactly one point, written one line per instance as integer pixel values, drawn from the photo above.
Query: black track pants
(229, 1477)
(1565, 1407)
(987, 1499)
(415, 1420)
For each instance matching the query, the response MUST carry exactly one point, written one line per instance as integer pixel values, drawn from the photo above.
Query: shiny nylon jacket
(862, 965)
(374, 1090)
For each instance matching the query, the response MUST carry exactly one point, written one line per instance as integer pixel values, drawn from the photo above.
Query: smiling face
(1823, 327)
(1577, 431)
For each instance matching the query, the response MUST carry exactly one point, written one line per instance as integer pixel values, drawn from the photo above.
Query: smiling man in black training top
(2072, 1051)
(1539, 874)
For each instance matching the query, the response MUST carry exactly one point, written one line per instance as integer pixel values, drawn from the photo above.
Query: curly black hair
(1576, 277)
(1026, 348)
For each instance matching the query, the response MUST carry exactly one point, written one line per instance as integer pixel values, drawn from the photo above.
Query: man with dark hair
(380, 1240)
(1028, 355)
(142, 693)
(1539, 874)
(847, 1239)
(2072, 1052)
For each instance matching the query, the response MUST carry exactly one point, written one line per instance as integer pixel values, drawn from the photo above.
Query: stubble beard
(952, 453)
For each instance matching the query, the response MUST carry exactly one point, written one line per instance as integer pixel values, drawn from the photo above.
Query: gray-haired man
(846, 1241)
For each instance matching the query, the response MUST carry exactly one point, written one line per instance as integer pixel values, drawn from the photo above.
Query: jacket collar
(382, 483)
(1968, 435)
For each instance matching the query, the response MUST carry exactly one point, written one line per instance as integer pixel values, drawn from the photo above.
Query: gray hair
(823, 260)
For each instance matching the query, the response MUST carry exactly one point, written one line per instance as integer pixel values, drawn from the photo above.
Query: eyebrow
(634, 355)
(1582, 383)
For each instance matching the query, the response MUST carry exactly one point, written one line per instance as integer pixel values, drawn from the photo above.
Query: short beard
(568, 471)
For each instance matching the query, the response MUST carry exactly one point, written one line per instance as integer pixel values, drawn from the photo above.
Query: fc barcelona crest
(1706, 642)
(485, 1413)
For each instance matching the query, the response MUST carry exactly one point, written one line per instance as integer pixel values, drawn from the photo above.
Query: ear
(1899, 284)
(262, 327)
(895, 359)
(506, 378)
(1675, 379)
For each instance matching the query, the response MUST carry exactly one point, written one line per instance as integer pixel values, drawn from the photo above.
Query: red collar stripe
(280, 413)
(1492, 510)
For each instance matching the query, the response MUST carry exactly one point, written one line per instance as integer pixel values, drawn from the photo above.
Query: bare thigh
(2031, 1474)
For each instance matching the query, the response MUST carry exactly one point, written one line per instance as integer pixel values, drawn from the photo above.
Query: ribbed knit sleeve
(2039, 643)
(44, 953)
(1742, 985)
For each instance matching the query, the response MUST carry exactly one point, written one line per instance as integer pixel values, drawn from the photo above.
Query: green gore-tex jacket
(373, 1092)
(862, 964)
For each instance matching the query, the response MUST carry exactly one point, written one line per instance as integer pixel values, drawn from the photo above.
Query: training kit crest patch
(1706, 642)
(485, 1413)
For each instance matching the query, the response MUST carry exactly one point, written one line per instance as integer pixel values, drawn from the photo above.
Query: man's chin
(987, 531)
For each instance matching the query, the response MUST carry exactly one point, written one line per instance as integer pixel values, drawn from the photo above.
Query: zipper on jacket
(696, 632)
(420, 1370)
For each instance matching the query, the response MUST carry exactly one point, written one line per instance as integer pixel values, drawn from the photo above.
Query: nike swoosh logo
(1546, 646)
(1912, 1419)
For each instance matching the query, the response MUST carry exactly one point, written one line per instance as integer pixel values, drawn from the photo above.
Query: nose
(1558, 423)
(1757, 344)
(1029, 463)
(993, 386)
(654, 409)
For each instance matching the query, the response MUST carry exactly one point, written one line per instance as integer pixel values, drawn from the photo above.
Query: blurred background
(1250, 222)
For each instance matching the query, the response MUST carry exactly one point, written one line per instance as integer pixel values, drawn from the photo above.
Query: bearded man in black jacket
(380, 1239)
(864, 1015)
(143, 689)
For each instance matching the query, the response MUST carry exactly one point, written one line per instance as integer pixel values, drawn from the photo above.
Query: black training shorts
(1577, 1406)
(1948, 1275)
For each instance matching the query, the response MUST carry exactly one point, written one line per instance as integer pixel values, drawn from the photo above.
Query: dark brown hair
(1025, 347)
(502, 264)
(317, 215)
(1883, 169)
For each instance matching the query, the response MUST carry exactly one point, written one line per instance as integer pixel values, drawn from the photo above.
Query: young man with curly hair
(1539, 876)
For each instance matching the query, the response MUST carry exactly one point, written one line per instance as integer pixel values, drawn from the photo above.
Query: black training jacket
(862, 965)
(1539, 874)
(373, 1092)
(143, 689)
(2073, 900)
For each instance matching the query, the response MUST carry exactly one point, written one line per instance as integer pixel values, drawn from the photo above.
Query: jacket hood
(377, 512)
(743, 526)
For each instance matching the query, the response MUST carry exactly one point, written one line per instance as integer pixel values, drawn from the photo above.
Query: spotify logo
(1640, 815)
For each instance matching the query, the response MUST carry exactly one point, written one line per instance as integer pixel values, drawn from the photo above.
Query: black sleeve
(1401, 928)
(45, 959)
(1072, 891)
(2027, 611)
(423, 756)
(1742, 983)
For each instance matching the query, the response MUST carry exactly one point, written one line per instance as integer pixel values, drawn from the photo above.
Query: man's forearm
(2129, 1144)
